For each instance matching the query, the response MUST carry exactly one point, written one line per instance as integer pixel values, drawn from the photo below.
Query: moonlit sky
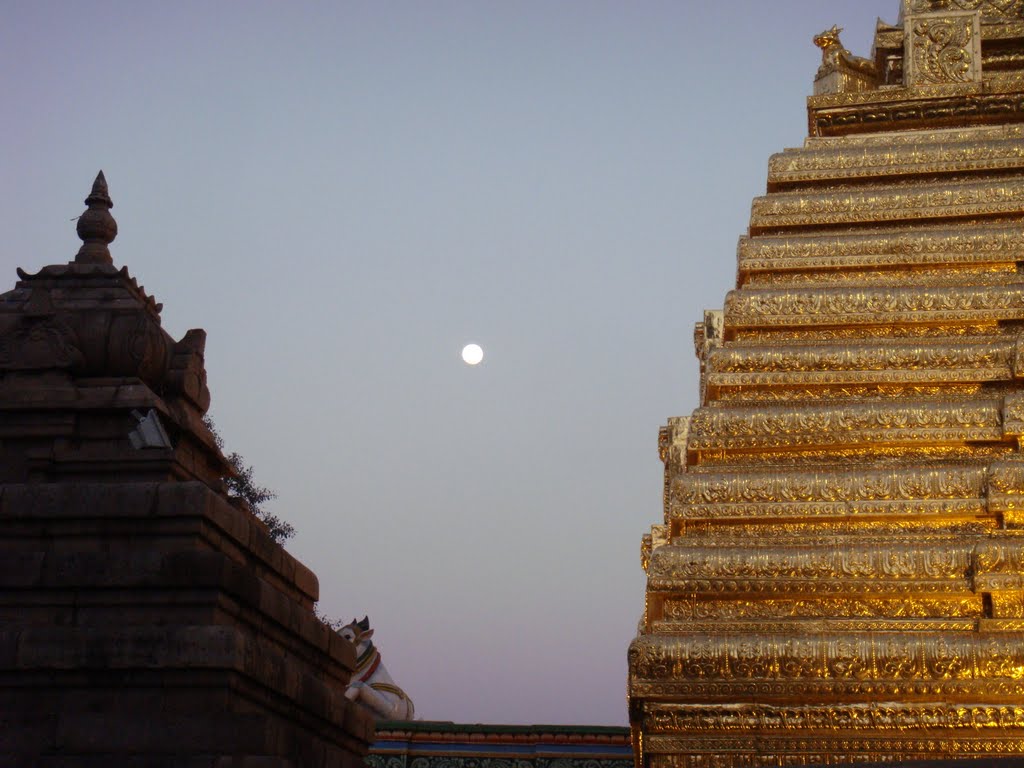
(344, 194)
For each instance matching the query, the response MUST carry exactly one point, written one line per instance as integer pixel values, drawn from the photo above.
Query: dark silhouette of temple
(146, 619)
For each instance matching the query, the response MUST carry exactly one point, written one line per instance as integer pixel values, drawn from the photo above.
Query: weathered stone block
(21, 569)
(82, 733)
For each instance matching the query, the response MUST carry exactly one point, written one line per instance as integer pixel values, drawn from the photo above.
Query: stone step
(167, 517)
(90, 587)
(165, 657)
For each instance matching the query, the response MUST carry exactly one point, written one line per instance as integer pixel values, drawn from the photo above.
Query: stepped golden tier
(840, 572)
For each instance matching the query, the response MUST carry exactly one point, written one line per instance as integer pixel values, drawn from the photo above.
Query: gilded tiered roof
(839, 576)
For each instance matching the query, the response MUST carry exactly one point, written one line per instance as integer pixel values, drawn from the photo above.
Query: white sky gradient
(344, 194)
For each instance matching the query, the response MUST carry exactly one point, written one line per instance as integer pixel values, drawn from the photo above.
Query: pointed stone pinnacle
(96, 227)
(100, 193)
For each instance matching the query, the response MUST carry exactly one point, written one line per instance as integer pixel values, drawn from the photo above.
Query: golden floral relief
(850, 206)
(843, 657)
(922, 107)
(899, 274)
(939, 136)
(846, 424)
(856, 455)
(743, 751)
(901, 482)
(667, 718)
(940, 329)
(998, 9)
(863, 560)
(984, 243)
(838, 163)
(770, 525)
(995, 354)
(874, 305)
(831, 624)
(747, 389)
(943, 49)
(899, 606)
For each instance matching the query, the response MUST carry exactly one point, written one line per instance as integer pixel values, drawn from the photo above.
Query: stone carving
(96, 227)
(96, 336)
(39, 343)
(371, 685)
(186, 372)
(106, 327)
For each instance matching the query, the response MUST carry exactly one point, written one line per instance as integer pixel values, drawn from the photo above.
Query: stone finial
(96, 227)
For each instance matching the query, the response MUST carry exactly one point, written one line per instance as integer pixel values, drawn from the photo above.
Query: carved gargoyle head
(829, 39)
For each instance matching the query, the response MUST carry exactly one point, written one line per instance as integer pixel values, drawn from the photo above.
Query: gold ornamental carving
(988, 9)
(872, 160)
(875, 306)
(976, 356)
(943, 49)
(838, 575)
(890, 249)
(884, 203)
(830, 718)
(919, 481)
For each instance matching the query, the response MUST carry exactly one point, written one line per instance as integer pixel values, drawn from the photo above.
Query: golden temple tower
(840, 573)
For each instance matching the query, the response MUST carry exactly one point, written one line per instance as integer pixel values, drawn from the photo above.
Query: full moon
(472, 354)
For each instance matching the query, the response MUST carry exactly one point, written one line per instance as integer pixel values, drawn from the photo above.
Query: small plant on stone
(242, 486)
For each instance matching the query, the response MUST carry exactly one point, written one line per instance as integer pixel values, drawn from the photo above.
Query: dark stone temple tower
(146, 619)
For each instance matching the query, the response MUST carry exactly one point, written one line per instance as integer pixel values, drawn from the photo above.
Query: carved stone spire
(96, 227)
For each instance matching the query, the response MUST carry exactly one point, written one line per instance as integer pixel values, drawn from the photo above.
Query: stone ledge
(55, 660)
(57, 510)
(190, 587)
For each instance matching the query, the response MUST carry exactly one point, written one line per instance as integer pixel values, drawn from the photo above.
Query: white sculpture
(371, 685)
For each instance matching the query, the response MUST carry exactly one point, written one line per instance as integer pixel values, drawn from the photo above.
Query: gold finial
(96, 227)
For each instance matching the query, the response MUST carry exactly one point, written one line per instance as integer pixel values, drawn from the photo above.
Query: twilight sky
(343, 194)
